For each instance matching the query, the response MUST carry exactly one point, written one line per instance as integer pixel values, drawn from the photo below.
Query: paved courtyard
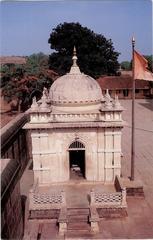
(139, 223)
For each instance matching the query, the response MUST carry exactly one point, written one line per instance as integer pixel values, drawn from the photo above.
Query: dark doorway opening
(77, 164)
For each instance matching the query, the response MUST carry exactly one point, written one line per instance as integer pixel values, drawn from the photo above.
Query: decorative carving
(76, 135)
(34, 105)
(44, 104)
(83, 137)
(45, 93)
(46, 198)
(39, 200)
(108, 199)
(108, 103)
(75, 117)
(107, 95)
(116, 103)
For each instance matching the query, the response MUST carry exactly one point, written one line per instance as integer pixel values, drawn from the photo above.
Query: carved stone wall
(51, 153)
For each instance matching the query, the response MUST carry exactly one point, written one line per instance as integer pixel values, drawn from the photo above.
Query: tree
(36, 63)
(96, 54)
(150, 66)
(150, 62)
(126, 65)
(21, 82)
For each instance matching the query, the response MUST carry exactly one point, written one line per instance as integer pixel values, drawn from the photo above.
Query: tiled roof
(120, 82)
(12, 60)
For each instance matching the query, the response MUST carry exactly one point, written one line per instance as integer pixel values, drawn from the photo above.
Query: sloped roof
(12, 60)
(120, 82)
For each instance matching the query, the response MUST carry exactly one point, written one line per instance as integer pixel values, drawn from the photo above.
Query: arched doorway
(77, 160)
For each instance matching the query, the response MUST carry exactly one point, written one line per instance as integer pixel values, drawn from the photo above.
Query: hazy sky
(26, 25)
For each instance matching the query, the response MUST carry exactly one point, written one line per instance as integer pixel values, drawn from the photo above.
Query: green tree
(150, 62)
(96, 54)
(126, 65)
(21, 82)
(150, 66)
(36, 64)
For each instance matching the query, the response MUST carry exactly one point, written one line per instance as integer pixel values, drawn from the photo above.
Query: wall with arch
(51, 153)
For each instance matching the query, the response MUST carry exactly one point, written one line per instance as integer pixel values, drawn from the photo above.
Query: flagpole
(133, 115)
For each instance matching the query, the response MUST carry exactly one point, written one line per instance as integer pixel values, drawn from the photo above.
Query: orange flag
(140, 68)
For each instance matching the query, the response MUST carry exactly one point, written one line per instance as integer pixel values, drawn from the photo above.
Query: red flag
(140, 68)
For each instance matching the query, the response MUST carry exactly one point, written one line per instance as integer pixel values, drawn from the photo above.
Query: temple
(75, 131)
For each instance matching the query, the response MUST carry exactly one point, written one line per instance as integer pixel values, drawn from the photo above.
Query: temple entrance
(77, 160)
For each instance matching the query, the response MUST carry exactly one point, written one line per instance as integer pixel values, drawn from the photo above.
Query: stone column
(100, 155)
(35, 153)
(117, 152)
(124, 204)
(108, 155)
(88, 162)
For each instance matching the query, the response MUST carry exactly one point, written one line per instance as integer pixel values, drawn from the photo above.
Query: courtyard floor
(139, 223)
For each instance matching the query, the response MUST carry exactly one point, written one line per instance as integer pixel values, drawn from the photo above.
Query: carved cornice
(64, 125)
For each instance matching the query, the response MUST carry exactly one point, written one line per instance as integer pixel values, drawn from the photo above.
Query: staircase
(78, 221)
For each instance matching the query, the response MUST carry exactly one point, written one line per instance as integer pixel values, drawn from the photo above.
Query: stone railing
(43, 201)
(104, 200)
(62, 220)
(117, 199)
(49, 201)
(94, 219)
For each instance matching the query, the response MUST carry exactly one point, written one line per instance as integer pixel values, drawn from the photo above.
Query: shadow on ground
(148, 104)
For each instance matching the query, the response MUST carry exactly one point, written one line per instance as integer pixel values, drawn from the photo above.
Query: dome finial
(74, 58)
(74, 68)
(74, 51)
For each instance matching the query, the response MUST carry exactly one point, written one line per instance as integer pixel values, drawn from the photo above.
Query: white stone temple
(75, 131)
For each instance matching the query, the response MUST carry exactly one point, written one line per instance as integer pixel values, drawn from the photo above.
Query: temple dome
(75, 89)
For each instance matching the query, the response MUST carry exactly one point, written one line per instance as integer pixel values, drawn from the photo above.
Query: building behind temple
(122, 86)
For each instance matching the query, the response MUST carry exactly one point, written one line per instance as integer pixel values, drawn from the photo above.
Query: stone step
(44, 214)
(75, 218)
(78, 211)
(75, 235)
(78, 226)
(112, 212)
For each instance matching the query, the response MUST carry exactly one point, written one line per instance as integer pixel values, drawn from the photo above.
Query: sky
(25, 26)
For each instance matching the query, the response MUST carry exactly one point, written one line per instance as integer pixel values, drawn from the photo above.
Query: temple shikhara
(76, 131)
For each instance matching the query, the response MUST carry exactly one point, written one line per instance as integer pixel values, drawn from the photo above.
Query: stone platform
(133, 188)
(77, 191)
